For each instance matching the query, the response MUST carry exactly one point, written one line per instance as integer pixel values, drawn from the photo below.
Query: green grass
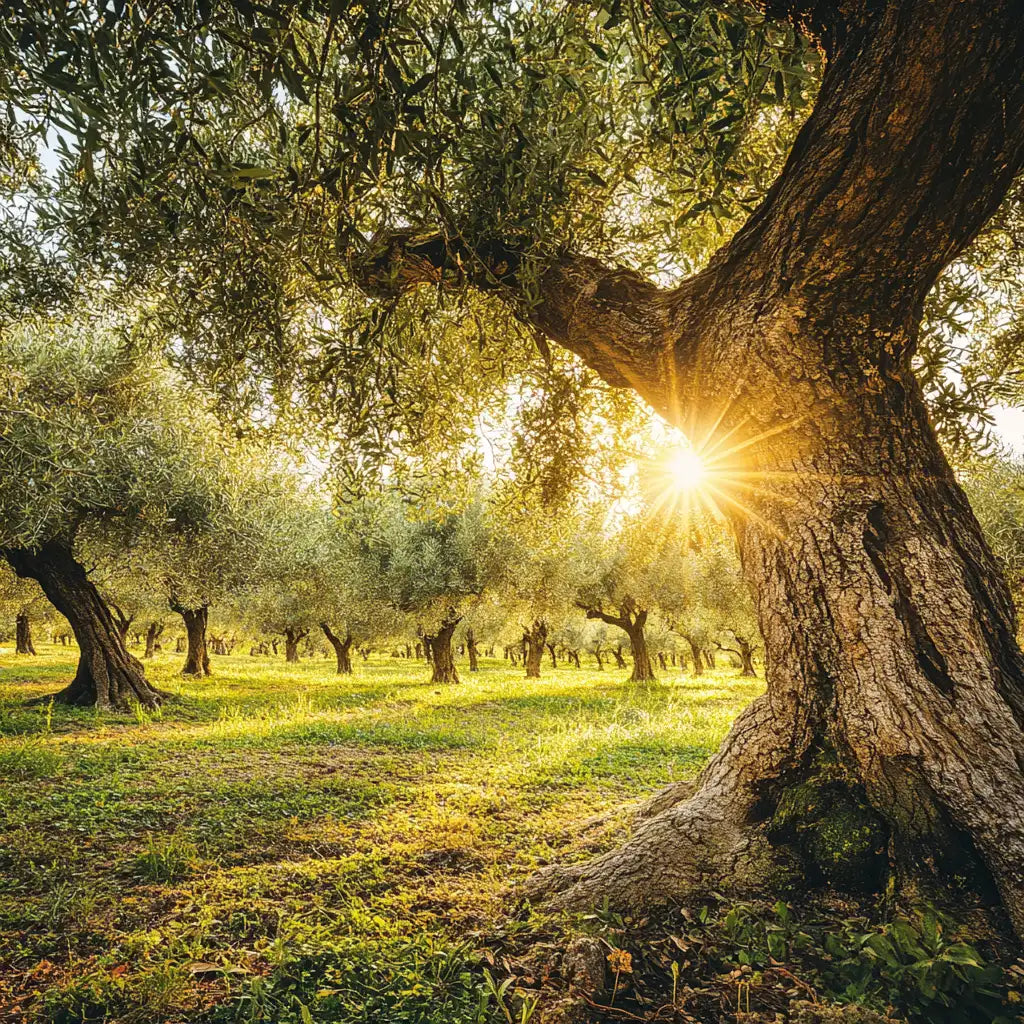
(279, 844)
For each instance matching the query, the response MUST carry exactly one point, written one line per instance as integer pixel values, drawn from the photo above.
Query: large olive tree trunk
(23, 634)
(107, 675)
(895, 687)
(197, 652)
(342, 648)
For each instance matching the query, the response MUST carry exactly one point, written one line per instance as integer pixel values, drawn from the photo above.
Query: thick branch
(612, 318)
(599, 613)
(917, 132)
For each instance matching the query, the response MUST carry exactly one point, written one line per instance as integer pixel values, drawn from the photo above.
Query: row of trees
(116, 465)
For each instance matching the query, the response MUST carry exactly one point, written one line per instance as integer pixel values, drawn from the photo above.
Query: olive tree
(94, 440)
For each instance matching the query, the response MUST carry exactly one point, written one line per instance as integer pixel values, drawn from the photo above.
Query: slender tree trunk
(598, 659)
(342, 649)
(123, 622)
(23, 634)
(620, 661)
(471, 650)
(534, 639)
(197, 654)
(662, 662)
(746, 652)
(551, 652)
(107, 675)
(153, 630)
(440, 646)
(575, 656)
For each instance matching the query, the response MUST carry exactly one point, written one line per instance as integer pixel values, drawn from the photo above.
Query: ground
(279, 841)
(282, 845)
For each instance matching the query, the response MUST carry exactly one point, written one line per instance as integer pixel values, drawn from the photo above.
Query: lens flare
(687, 469)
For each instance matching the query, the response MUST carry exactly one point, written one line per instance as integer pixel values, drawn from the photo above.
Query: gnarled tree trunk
(439, 645)
(696, 655)
(197, 654)
(342, 649)
(534, 639)
(471, 651)
(632, 620)
(23, 634)
(292, 638)
(107, 676)
(895, 685)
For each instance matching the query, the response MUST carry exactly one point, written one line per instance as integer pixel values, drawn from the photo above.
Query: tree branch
(617, 322)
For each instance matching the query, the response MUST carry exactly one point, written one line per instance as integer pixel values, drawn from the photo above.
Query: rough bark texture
(342, 649)
(439, 645)
(23, 634)
(534, 640)
(892, 668)
(197, 654)
(471, 651)
(107, 675)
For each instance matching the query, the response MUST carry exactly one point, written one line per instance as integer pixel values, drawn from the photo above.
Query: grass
(281, 844)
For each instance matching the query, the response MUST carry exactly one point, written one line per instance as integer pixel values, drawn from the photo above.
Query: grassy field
(281, 844)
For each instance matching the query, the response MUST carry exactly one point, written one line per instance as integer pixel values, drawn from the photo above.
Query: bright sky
(1010, 427)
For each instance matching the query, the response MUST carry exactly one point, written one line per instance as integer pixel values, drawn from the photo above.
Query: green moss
(840, 837)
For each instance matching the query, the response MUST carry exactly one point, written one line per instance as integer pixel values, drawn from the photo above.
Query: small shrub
(29, 758)
(167, 860)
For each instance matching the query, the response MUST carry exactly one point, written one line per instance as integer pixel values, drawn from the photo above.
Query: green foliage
(407, 980)
(917, 964)
(282, 836)
(167, 860)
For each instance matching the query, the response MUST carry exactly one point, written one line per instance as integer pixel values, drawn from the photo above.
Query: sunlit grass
(274, 809)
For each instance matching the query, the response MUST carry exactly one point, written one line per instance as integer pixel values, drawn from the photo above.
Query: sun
(687, 469)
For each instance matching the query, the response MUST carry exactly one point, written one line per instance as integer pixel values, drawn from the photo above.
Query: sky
(1009, 425)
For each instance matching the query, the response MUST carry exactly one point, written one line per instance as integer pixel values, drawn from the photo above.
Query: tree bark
(534, 640)
(107, 675)
(889, 630)
(292, 638)
(23, 634)
(153, 631)
(696, 655)
(471, 651)
(439, 645)
(342, 649)
(197, 654)
(632, 621)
